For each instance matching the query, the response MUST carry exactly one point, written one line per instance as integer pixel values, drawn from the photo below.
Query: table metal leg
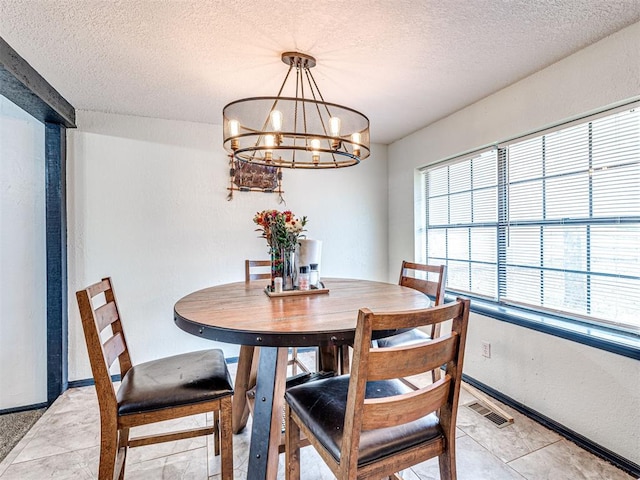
(266, 432)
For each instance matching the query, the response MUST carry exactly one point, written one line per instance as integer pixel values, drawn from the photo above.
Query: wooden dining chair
(154, 391)
(430, 280)
(371, 425)
(247, 370)
(255, 270)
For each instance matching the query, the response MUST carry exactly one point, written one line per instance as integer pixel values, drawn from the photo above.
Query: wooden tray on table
(289, 293)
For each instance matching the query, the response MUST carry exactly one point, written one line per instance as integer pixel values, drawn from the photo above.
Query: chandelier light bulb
(334, 129)
(234, 128)
(355, 139)
(269, 141)
(334, 126)
(276, 120)
(315, 154)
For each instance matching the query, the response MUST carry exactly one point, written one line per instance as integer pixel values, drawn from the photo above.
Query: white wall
(23, 321)
(147, 206)
(592, 392)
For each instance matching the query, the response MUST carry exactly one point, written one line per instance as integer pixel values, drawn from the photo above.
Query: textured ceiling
(402, 63)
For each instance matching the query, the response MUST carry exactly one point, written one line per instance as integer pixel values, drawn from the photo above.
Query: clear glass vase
(276, 265)
(288, 269)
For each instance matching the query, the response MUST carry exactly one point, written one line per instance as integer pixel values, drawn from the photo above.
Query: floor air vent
(489, 414)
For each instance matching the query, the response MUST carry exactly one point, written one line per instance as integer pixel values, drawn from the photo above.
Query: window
(549, 223)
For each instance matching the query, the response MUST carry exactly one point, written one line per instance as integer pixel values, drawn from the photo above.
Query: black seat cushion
(172, 381)
(321, 406)
(409, 337)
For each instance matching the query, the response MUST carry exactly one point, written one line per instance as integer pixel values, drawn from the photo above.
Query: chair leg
(344, 360)
(292, 447)
(216, 433)
(123, 446)
(294, 361)
(108, 450)
(226, 439)
(447, 463)
(245, 380)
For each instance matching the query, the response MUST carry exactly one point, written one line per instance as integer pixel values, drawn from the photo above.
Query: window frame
(593, 333)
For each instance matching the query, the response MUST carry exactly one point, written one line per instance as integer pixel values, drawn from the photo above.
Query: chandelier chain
(304, 107)
(295, 120)
(313, 94)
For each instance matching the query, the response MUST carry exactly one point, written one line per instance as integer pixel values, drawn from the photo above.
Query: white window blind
(462, 221)
(549, 223)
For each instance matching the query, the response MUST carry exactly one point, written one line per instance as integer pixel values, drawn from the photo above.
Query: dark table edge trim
(267, 339)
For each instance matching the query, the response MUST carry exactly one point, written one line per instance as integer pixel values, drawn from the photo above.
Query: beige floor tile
(473, 463)
(76, 398)
(91, 458)
(61, 433)
(189, 465)
(312, 467)
(564, 459)
(65, 466)
(507, 443)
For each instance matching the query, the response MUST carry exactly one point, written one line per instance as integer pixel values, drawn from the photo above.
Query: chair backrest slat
(250, 274)
(106, 315)
(405, 361)
(392, 411)
(113, 348)
(425, 286)
(415, 318)
(98, 288)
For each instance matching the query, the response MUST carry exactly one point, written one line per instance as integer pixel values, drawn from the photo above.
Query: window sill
(603, 338)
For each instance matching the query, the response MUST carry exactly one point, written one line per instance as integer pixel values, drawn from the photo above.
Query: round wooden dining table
(242, 313)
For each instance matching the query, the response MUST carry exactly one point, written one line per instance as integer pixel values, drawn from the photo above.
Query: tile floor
(64, 444)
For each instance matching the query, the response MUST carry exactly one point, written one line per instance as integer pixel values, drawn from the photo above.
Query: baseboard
(86, 382)
(24, 408)
(624, 464)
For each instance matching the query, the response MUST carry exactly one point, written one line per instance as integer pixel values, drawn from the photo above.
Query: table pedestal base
(266, 431)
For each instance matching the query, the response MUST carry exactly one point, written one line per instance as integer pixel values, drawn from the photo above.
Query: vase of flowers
(282, 231)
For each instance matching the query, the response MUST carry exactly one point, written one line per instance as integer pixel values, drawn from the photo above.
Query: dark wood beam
(25, 87)
(56, 233)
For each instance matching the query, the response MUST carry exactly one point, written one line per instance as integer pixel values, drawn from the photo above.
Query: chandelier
(299, 131)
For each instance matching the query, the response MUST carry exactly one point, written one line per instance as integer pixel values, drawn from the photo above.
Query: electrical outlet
(486, 349)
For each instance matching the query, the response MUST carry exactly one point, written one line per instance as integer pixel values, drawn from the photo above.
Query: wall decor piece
(253, 177)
